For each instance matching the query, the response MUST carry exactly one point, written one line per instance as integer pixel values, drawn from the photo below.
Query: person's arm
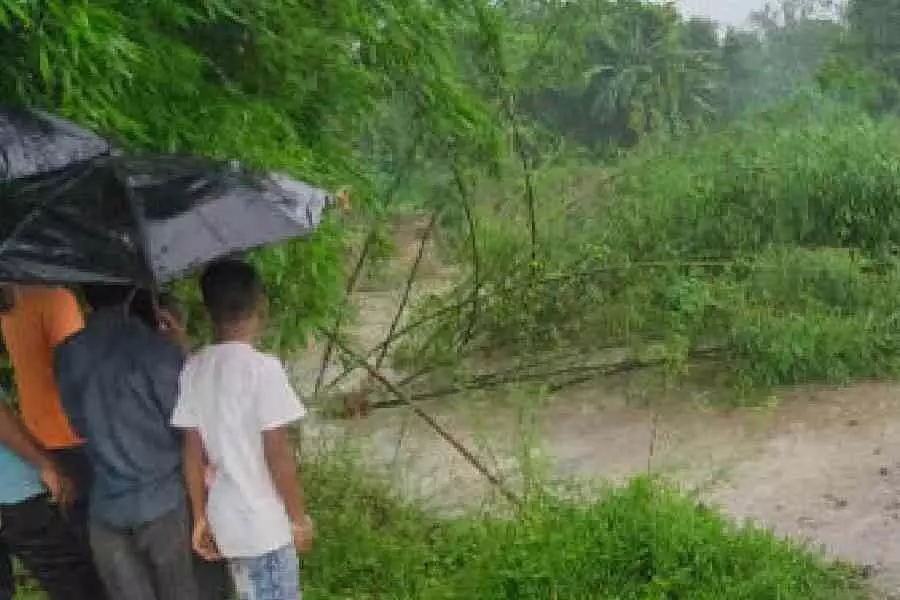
(279, 407)
(67, 361)
(16, 438)
(166, 361)
(283, 468)
(194, 466)
(174, 329)
(279, 453)
(63, 318)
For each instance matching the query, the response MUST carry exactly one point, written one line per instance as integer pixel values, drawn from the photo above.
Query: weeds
(773, 242)
(644, 541)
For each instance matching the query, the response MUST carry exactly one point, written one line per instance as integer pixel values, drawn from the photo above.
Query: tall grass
(805, 175)
(643, 541)
(640, 542)
(773, 242)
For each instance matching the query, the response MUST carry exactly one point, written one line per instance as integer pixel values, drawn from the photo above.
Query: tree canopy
(359, 94)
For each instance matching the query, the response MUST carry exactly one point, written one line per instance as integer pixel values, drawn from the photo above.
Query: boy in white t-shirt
(235, 407)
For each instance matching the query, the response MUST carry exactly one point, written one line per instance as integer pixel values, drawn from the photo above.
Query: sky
(726, 12)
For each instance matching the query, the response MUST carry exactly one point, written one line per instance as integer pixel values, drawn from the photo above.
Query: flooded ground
(822, 465)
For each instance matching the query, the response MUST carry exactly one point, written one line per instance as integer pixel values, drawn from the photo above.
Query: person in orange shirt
(34, 320)
(39, 319)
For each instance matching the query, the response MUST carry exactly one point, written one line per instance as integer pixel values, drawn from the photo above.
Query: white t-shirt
(232, 393)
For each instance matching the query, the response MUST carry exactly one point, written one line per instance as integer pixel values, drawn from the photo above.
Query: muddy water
(822, 465)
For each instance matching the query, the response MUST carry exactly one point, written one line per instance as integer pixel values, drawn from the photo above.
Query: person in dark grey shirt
(118, 382)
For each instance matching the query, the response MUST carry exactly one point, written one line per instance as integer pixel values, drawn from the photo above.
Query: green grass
(773, 241)
(643, 541)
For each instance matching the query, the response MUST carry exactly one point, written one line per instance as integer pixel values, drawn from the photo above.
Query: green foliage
(791, 177)
(790, 42)
(643, 541)
(865, 66)
(602, 72)
(771, 244)
(606, 73)
(288, 86)
(871, 23)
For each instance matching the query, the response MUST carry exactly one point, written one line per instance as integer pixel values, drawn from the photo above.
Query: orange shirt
(41, 318)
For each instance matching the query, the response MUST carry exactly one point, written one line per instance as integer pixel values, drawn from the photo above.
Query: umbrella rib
(214, 230)
(4, 245)
(139, 225)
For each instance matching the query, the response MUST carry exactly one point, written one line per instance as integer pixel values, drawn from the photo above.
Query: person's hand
(169, 324)
(203, 542)
(173, 328)
(304, 532)
(62, 491)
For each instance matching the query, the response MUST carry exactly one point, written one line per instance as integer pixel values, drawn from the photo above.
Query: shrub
(642, 541)
(827, 178)
(772, 241)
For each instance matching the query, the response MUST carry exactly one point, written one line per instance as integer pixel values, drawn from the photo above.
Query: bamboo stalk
(363, 255)
(581, 374)
(351, 284)
(407, 290)
(473, 460)
(476, 257)
(397, 335)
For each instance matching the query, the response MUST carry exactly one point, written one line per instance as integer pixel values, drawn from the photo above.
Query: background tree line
(372, 94)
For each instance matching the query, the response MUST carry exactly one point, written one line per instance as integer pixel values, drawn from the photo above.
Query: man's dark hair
(139, 301)
(101, 295)
(7, 298)
(231, 291)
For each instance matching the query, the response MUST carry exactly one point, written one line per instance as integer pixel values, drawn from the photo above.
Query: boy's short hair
(232, 290)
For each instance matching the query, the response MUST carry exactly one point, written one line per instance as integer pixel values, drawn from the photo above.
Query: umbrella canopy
(33, 142)
(146, 219)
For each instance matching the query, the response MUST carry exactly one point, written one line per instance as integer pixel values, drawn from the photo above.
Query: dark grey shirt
(118, 381)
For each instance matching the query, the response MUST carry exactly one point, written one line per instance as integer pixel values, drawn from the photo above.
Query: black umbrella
(33, 142)
(144, 220)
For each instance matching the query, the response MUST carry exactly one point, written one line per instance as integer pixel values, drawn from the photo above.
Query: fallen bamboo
(578, 374)
(400, 332)
(407, 289)
(392, 388)
(368, 244)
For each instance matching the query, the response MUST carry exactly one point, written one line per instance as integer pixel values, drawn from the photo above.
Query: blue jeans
(272, 576)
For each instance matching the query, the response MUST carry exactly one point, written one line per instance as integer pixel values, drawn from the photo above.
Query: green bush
(772, 242)
(826, 178)
(642, 541)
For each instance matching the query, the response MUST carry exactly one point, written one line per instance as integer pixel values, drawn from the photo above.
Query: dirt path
(821, 465)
